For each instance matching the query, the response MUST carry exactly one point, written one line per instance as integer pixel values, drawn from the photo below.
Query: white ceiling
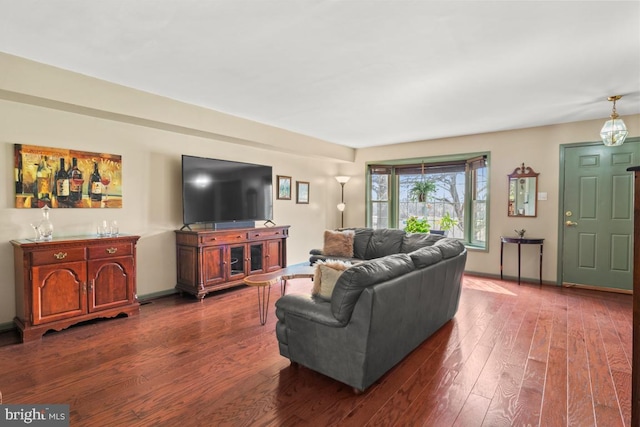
(354, 72)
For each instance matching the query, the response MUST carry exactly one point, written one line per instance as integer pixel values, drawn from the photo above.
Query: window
(379, 197)
(459, 191)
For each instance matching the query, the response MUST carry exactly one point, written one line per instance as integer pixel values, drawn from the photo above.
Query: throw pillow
(325, 277)
(338, 243)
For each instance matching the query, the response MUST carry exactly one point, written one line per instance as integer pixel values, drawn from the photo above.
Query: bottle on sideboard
(75, 182)
(95, 184)
(62, 183)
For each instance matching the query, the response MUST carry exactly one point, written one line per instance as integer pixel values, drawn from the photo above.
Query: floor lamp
(342, 180)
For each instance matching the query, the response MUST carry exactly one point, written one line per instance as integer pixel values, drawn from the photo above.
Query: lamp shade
(343, 179)
(614, 132)
(341, 207)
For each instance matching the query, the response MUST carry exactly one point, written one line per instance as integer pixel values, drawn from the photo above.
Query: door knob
(571, 223)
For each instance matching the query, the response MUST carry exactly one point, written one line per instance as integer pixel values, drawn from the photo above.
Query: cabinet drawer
(57, 256)
(110, 250)
(262, 234)
(224, 238)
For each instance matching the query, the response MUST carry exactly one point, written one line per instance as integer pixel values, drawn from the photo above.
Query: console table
(210, 260)
(72, 279)
(520, 241)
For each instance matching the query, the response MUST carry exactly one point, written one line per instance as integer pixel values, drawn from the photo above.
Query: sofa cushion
(413, 241)
(383, 242)
(449, 247)
(325, 276)
(338, 243)
(426, 256)
(361, 242)
(353, 280)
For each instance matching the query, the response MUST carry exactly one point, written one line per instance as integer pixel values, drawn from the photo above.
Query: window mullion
(394, 199)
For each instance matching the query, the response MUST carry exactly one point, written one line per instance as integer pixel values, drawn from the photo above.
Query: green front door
(598, 215)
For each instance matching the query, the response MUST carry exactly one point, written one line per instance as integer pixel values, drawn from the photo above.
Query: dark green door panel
(598, 215)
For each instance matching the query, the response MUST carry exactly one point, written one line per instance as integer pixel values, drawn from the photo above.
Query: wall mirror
(523, 192)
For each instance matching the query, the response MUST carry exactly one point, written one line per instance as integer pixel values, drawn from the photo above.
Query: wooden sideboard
(69, 280)
(210, 260)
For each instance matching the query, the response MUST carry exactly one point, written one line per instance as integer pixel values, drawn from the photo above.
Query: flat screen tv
(223, 192)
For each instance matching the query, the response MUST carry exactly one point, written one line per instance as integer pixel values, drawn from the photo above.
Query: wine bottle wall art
(63, 178)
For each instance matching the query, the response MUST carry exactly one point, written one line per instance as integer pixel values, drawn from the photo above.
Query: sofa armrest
(315, 252)
(307, 307)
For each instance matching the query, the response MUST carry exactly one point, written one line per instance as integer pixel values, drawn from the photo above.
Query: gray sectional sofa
(372, 243)
(380, 310)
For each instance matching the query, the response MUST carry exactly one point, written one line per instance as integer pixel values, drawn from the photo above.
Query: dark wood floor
(511, 356)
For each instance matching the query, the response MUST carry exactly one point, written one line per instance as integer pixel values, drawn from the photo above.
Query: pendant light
(614, 131)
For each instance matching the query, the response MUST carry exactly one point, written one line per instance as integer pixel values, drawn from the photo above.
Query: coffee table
(263, 282)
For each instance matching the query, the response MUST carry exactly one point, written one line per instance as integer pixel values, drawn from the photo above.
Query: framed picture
(64, 178)
(284, 187)
(302, 192)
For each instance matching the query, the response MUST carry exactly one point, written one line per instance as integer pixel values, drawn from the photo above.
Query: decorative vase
(44, 229)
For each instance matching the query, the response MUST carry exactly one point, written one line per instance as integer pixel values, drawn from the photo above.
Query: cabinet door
(111, 283)
(236, 262)
(213, 265)
(59, 291)
(256, 258)
(273, 255)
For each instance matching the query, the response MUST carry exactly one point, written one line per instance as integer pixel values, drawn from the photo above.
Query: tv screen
(221, 191)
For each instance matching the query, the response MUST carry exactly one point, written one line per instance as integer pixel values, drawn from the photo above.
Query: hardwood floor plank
(619, 323)
(429, 398)
(490, 376)
(530, 395)
(542, 337)
(580, 407)
(553, 409)
(519, 355)
(607, 416)
(473, 412)
(503, 408)
(554, 398)
(452, 398)
(601, 381)
(476, 352)
(622, 382)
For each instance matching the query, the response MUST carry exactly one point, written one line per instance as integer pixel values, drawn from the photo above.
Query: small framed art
(284, 187)
(302, 192)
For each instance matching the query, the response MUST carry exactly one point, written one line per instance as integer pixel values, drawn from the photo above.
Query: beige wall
(538, 148)
(42, 105)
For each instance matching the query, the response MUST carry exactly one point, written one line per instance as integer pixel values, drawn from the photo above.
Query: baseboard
(7, 326)
(511, 278)
(597, 288)
(545, 282)
(156, 295)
